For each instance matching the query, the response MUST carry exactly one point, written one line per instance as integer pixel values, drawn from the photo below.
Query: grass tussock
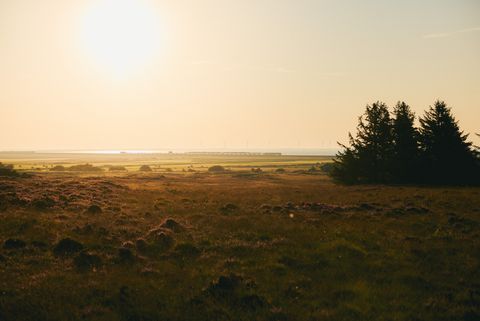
(220, 247)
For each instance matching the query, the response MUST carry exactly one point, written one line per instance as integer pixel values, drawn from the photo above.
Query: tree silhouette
(346, 168)
(391, 150)
(405, 145)
(368, 159)
(447, 156)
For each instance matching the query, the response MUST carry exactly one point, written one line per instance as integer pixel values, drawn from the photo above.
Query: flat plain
(268, 238)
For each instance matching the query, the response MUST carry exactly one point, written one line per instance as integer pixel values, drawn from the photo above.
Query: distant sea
(283, 151)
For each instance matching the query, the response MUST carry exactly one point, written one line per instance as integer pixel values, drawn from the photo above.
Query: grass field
(180, 243)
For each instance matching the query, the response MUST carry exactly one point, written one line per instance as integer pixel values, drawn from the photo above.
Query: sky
(145, 74)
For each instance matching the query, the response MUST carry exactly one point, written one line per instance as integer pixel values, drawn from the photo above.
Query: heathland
(258, 237)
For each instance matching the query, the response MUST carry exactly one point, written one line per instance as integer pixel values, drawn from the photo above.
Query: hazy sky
(114, 74)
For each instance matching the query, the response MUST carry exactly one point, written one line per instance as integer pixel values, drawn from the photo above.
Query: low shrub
(8, 171)
(145, 168)
(327, 167)
(84, 168)
(216, 169)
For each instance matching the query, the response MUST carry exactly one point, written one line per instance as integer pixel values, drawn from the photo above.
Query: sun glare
(121, 35)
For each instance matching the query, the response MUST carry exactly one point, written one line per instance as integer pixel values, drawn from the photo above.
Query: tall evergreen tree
(477, 152)
(346, 165)
(447, 156)
(369, 156)
(405, 147)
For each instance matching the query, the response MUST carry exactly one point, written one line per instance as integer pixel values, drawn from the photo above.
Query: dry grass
(238, 245)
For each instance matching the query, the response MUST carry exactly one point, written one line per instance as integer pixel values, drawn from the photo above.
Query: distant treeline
(389, 148)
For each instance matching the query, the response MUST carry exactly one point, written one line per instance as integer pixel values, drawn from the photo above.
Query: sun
(121, 35)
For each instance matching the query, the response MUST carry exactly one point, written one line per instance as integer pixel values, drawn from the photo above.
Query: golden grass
(251, 246)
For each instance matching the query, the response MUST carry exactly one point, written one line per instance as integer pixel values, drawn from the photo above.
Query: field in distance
(42, 162)
(180, 242)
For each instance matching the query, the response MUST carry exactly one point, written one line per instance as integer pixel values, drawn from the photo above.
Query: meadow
(269, 238)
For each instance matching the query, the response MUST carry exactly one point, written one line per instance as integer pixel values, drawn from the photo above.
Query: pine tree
(368, 159)
(346, 165)
(447, 156)
(405, 147)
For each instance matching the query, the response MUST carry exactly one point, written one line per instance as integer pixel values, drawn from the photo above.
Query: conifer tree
(447, 156)
(405, 144)
(368, 159)
(346, 165)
